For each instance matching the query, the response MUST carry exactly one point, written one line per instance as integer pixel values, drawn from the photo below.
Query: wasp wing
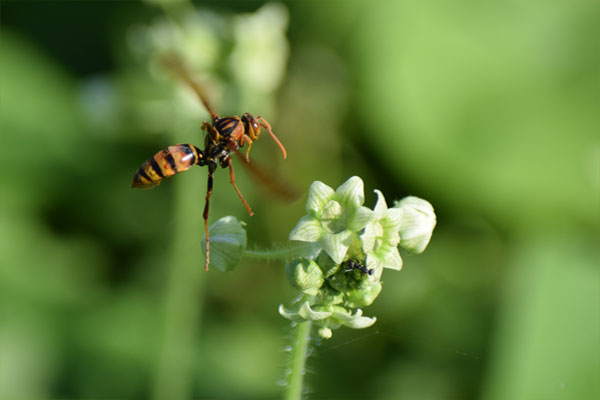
(172, 62)
(282, 190)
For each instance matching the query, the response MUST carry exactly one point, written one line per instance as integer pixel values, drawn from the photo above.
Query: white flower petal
(376, 265)
(360, 218)
(394, 216)
(341, 314)
(291, 315)
(361, 322)
(351, 192)
(318, 195)
(393, 260)
(381, 207)
(304, 313)
(308, 229)
(369, 235)
(336, 245)
(309, 314)
(356, 321)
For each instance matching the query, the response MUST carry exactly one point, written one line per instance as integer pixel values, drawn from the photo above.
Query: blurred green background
(489, 110)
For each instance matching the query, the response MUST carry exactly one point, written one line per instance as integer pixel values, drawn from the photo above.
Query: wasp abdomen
(166, 163)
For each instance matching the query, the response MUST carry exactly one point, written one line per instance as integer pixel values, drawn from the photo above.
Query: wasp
(223, 136)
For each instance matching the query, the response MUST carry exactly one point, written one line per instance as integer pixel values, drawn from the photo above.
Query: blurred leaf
(548, 342)
(40, 120)
(43, 275)
(487, 105)
(241, 359)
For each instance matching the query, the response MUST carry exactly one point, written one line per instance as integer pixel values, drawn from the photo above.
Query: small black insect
(351, 264)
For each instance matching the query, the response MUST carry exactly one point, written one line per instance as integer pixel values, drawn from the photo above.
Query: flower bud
(325, 332)
(305, 275)
(327, 295)
(418, 221)
(328, 266)
(339, 281)
(362, 297)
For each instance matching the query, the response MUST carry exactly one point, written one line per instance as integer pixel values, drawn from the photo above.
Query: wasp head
(252, 125)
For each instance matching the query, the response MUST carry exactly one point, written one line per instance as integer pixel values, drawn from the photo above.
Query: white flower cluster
(353, 245)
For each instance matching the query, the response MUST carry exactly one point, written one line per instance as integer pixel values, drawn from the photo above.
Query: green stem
(282, 253)
(177, 352)
(298, 356)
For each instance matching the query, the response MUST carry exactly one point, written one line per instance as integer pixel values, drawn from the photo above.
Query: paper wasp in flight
(224, 135)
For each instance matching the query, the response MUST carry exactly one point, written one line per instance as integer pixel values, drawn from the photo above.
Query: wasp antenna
(173, 63)
(267, 126)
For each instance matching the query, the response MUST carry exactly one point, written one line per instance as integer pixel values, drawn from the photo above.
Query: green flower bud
(325, 332)
(328, 266)
(340, 281)
(305, 275)
(363, 296)
(227, 243)
(328, 295)
(418, 221)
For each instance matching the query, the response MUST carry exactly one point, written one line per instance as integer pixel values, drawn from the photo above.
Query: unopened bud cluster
(353, 244)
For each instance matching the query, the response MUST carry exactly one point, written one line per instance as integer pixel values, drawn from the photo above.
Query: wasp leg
(232, 178)
(267, 126)
(209, 188)
(212, 135)
(249, 146)
(205, 126)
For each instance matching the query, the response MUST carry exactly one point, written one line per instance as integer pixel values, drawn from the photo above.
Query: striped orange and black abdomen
(166, 163)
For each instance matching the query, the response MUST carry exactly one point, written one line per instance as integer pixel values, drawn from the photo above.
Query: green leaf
(227, 243)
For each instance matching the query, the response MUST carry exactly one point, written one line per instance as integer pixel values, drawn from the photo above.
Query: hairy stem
(281, 253)
(298, 355)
